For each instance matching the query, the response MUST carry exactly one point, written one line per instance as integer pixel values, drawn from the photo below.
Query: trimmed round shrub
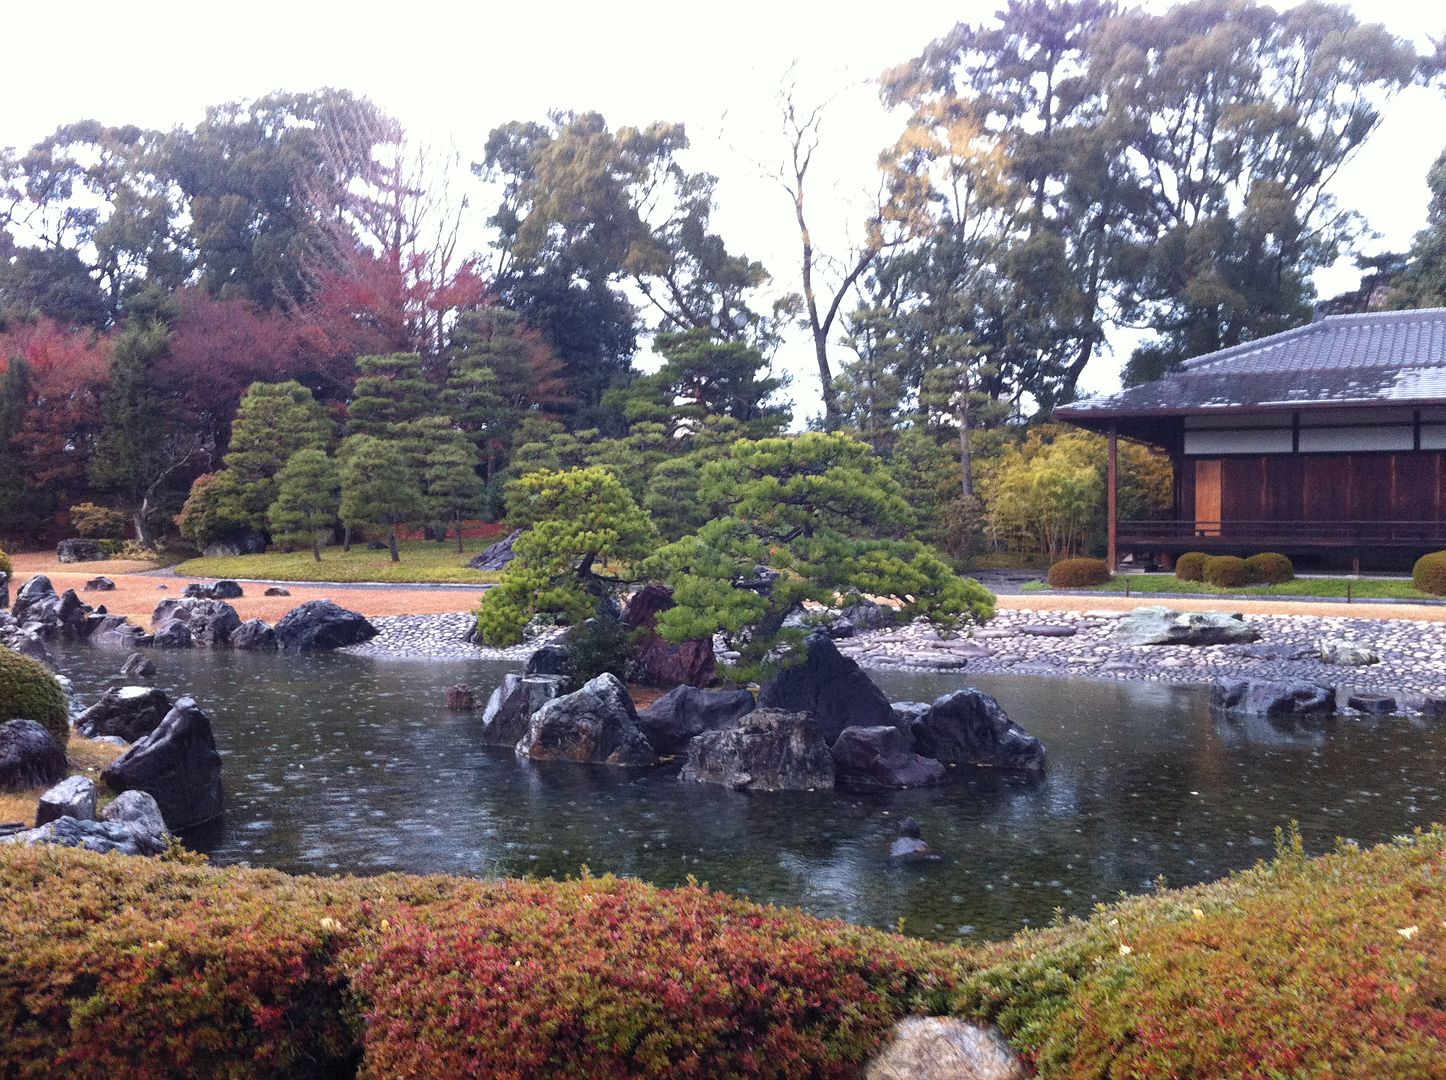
(1191, 566)
(1226, 571)
(1429, 573)
(5, 567)
(28, 691)
(1078, 573)
(1269, 568)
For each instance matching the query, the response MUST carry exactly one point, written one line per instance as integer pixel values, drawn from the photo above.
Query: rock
(460, 698)
(867, 615)
(769, 750)
(596, 723)
(548, 660)
(28, 643)
(1160, 625)
(910, 846)
(831, 687)
(276, 590)
(1045, 630)
(79, 550)
(247, 542)
(138, 666)
(4, 589)
(174, 635)
(36, 601)
(968, 727)
(661, 663)
(216, 590)
(944, 1048)
(1260, 697)
(119, 632)
(1433, 706)
(100, 584)
(1275, 652)
(211, 622)
(29, 756)
(909, 718)
(319, 624)
(104, 837)
(129, 712)
(1346, 653)
(72, 797)
(137, 810)
(510, 708)
(498, 555)
(253, 634)
(685, 712)
(177, 764)
(376, 545)
(1375, 704)
(879, 757)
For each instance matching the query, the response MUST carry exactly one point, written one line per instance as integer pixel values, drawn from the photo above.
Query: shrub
(1078, 573)
(1269, 568)
(97, 522)
(5, 567)
(1429, 573)
(597, 645)
(1226, 571)
(1191, 566)
(28, 691)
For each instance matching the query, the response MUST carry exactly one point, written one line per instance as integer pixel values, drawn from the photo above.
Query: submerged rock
(128, 712)
(510, 708)
(968, 727)
(769, 750)
(1159, 625)
(685, 712)
(879, 757)
(831, 687)
(1375, 704)
(177, 764)
(319, 625)
(1260, 697)
(596, 723)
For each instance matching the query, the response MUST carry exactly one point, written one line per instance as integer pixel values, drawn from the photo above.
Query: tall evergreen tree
(308, 497)
(453, 490)
(1423, 282)
(390, 391)
(378, 487)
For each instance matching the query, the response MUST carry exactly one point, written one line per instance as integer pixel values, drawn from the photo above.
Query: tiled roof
(1392, 357)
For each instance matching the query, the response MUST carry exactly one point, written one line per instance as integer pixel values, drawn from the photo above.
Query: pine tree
(453, 488)
(307, 499)
(390, 391)
(377, 487)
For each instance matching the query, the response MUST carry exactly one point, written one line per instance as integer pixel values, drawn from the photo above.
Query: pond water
(338, 764)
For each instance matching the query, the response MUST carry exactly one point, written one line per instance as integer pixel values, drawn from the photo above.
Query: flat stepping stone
(1376, 704)
(1046, 630)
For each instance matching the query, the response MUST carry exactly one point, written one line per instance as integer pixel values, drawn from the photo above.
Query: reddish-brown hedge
(1078, 573)
(1226, 571)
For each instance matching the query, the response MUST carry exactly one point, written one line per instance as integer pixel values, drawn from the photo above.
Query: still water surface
(340, 764)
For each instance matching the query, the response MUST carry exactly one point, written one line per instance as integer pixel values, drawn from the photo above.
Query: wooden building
(1326, 443)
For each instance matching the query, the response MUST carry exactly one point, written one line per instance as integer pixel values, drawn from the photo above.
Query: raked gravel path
(1413, 654)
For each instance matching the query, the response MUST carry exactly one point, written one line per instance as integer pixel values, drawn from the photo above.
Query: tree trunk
(316, 545)
(966, 448)
(138, 521)
(392, 544)
(346, 538)
(459, 536)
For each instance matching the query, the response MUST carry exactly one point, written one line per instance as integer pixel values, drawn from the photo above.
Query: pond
(342, 764)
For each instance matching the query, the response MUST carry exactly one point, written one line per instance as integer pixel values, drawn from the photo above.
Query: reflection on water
(351, 764)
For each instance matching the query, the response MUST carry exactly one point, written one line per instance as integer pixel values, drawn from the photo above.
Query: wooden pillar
(1111, 485)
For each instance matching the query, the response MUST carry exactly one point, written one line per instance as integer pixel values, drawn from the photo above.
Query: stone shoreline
(1063, 643)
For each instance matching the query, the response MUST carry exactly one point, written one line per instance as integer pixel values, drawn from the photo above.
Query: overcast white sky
(452, 71)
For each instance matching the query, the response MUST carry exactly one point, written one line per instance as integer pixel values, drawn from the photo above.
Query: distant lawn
(1355, 588)
(422, 561)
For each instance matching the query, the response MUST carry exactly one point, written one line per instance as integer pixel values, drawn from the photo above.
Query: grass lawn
(422, 561)
(1355, 588)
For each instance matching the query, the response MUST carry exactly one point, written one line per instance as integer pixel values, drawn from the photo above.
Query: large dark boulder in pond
(73, 617)
(79, 550)
(102, 837)
(511, 705)
(498, 555)
(548, 660)
(36, 602)
(910, 719)
(118, 632)
(318, 625)
(27, 643)
(596, 723)
(177, 765)
(656, 661)
(29, 756)
(73, 797)
(212, 623)
(173, 635)
(769, 750)
(138, 666)
(831, 687)
(968, 727)
(879, 757)
(253, 634)
(1263, 697)
(686, 712)
(1160, 625)
(127, 712)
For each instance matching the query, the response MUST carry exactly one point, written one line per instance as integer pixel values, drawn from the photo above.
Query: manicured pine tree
(390, 391)
(307, 499)
(273, 422)
(453, 489)
(378, 487)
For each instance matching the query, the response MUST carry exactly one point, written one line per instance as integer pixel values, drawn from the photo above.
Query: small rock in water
(910, 846)
(460, 698)
(1376, 704)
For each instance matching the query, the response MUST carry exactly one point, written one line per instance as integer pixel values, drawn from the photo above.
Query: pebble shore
(1068, 643)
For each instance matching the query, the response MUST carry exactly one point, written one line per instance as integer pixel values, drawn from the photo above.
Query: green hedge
(1191, 566)
(155, 968)
(1429, 573)
(1226, 571)
(1269, 568)
(1078, 573)
(28, 691)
